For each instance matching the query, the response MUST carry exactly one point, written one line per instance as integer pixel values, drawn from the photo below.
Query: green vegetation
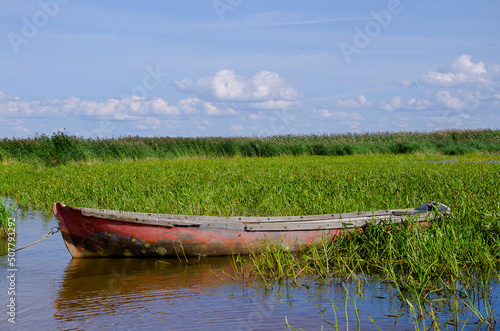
(449, 265)
(262, 186)
(5, 214)
(61, 148)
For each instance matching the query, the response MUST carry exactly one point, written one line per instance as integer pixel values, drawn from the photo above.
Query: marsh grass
(462, 311)
(6, 212)
(63, 148)
(262, 186)
(449, 265)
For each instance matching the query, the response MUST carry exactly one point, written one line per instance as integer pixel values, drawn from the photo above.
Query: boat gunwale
(324, 221)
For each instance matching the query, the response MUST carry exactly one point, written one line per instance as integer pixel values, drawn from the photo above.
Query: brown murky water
(55, 292)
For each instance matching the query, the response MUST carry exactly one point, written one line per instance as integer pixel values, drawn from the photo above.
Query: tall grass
(261, 186)
(61, 148)
(5, 213)
(449, 265)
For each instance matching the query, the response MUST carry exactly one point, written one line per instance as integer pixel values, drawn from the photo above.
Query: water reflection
(160, 293)
(169, 294)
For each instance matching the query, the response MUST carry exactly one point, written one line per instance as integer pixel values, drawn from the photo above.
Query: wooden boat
(107, 233)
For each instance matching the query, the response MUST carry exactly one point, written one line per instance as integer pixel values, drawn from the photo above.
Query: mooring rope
(51, 232)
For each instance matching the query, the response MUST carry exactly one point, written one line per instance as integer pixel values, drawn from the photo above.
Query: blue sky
(247, 68)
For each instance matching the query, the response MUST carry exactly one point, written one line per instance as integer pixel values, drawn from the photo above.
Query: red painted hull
(106, 233)
(87, 237)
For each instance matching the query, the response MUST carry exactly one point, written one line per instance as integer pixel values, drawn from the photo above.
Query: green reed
(6, 212)
(262, 186)
(464, 311)
(449, 265)
(62, 148)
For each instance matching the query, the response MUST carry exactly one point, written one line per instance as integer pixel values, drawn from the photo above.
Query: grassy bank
(61, 148)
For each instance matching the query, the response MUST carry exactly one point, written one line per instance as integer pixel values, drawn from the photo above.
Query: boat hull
(90, 233)
(92, 237)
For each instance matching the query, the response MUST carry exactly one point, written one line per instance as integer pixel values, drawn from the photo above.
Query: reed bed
(6, 214)
(61, 148)
(449, 265)
(4, 219)
(262, 186)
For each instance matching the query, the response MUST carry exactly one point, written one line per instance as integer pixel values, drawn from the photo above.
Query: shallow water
(54, 291)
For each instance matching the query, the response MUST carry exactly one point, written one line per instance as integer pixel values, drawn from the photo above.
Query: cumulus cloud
(463, 85)
(343, 118)
(359, 102)
(397, 104)
(445, 99)
(272, 104)
(339, 115)
(189, 105)
(153, 123)
(406, 83)
(459, 72)
(119, 109)
(197, 106)
(226, 85)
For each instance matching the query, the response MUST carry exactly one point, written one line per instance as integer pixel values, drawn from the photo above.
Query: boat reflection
(151, 291)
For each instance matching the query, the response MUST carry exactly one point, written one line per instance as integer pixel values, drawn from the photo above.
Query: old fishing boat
(107, 233)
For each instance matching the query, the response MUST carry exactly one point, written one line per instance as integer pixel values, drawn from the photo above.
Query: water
(54, 291)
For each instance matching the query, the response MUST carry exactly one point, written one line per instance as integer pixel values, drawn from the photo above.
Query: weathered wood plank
(117, 215)
(292, 223)
(307, 226)
(331, 224)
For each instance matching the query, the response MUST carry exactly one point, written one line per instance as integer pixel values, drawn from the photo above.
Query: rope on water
(52, 231)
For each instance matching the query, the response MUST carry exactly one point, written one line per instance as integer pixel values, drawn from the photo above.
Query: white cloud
(226, 85)
(196, 106)
(461, 71)
(340, 115)
(121, 109)
(406, 83)
(393, 105)
(360, 102)
(495, 72)
(161, 107)
(444, 98)
(271, 104)
(396, 104)
(469, 85)
(212, 110)
(189, 105)
(150, 123)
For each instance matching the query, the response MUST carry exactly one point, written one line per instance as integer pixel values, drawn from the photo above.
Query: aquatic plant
(262, 186)
(464, 311)
(62, 148)
(6, 213)
(450, 264)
